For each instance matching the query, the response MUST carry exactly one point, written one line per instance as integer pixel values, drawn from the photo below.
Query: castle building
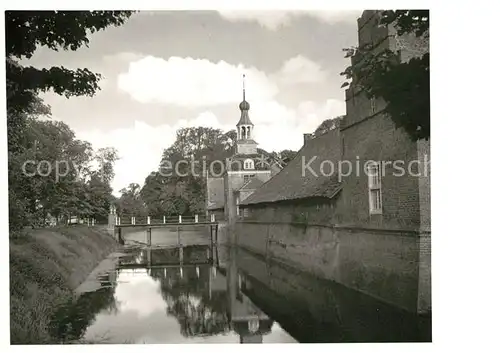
(359, 222)
(244, 173)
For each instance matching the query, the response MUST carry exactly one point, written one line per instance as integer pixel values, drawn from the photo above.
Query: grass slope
(46, 266)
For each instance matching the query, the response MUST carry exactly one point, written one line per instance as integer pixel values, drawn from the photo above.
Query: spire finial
(243, 86)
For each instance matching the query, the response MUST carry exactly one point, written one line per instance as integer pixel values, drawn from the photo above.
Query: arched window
(248, 132)
(243, 132)
(248, 164)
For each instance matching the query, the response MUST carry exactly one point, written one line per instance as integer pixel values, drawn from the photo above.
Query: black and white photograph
(218, 176)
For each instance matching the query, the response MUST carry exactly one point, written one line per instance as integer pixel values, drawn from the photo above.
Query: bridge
(117, 223)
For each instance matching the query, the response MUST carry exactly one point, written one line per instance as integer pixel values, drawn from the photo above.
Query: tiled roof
(293, 182)
(252, 184)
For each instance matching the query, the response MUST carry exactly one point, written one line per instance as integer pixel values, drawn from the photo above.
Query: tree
(182, 189)
(106, 157)
(26, 31)
(327, 125)
(404, 86)
(188, 299)
(131, 203)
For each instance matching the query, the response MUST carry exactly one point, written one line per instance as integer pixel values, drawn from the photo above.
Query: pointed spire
(243, 86)
(244, 107)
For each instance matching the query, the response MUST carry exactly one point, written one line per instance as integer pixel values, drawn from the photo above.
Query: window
(248, 164)
(245, 213)
(373, 105)
(247, 178)
(374, 188)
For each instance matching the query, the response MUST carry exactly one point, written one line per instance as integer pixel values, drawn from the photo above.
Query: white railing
(150, 220)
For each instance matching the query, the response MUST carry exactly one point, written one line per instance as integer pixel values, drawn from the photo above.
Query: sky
(165, 70)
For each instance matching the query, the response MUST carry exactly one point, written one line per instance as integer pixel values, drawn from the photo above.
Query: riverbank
(46, 267)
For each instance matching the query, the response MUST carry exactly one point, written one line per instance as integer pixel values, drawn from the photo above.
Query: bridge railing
(125, 219)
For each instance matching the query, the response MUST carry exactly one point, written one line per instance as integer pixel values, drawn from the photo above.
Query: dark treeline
(37, 147)
(54, 176)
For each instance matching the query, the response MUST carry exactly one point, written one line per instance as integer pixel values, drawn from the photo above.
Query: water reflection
(205, 294)
(174, 295)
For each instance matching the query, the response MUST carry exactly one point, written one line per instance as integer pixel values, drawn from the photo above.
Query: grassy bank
(46, 266)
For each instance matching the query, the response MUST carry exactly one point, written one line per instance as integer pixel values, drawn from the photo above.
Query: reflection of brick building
(370, 233)
(245, 172)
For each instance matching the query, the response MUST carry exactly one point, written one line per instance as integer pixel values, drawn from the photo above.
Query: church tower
(245, 172)
(245, 145)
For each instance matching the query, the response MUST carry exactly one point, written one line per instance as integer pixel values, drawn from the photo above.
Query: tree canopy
(46, 145)
(403, 85)
(26, 31)
(327, 125)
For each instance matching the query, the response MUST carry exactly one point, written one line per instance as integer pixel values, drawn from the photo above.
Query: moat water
(204, 293)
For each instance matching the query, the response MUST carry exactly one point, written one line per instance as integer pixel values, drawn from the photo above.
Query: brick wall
(313, 211)
(424, 278)
(424, 182)
(378, 139)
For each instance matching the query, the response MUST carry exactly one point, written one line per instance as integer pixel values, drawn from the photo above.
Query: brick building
(369, 229)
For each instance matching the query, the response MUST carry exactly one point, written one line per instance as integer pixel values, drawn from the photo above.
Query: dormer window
(248, 164)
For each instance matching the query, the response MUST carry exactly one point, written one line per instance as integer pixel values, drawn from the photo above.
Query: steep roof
(252, 184)
(296, 181)
(244, 118)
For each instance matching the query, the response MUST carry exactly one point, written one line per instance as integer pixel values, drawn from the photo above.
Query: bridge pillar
(164, 220)
(196, 218)
(112, 219)
(180, 219)
(133, 220)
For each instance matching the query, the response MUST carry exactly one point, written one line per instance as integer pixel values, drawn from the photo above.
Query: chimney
(307, 137)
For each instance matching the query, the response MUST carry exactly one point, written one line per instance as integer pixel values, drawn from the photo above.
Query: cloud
(300, 69)
(140, 146)
(198, 83)
(278, 127)
(274, 20)
(192, 82)
(133, 288)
